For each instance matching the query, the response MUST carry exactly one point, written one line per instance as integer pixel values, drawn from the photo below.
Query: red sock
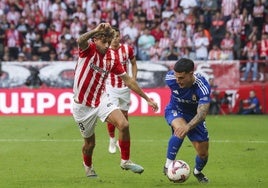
(111, 129)
(125, 149)
(87, 160)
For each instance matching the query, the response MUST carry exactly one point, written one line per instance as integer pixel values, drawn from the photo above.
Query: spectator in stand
(227, 45)
(53, 35)
(53, 56)
(156, 52)
(42, 25)
(44, 6)
(165, 41)
(201, 44)
(188, 6)
(165, 25)
(13, 15)
(258, 16)
(62, 50)
(172, 21)
(22, 26)
(217, 29)
(190, 22)
(35, 45)
(131, 31)
(76, 27)
(145, 42)
(123, 21)
(157, 32)
(93, 18)
(140, 14)
(209, 7)
(21, 57)
(247, 20)
(176, 32)
(263, 53)
(153, 16)
(179, 14)
(13, 42)
(248, 5)
(80, 14)
(45, 49)
(60, 13)
(172, 52)
(214, 53)
(184, 41)
(250, 105)
(234, 26)
(251, 52)
(227, 7)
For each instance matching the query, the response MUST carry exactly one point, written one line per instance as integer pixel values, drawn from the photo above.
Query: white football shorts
(119, 97)
(86, 117)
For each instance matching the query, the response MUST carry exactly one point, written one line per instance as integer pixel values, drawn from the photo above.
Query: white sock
(196, 171)
(168, 162)
(112, 139)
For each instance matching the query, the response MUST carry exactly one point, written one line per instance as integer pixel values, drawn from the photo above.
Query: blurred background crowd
(46, 30)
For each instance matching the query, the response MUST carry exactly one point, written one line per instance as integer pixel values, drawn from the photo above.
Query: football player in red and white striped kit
(94, 64)
(116, 89)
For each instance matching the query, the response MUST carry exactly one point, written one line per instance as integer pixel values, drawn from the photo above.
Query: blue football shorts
(199, 133)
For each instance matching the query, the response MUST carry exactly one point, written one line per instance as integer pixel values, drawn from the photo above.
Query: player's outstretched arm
(133, 85)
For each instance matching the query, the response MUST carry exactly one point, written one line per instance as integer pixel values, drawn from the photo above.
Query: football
(178, 171)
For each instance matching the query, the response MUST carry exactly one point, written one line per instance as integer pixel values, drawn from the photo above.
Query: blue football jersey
(186, 100)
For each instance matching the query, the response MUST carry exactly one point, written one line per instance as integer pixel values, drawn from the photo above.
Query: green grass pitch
(45, 152)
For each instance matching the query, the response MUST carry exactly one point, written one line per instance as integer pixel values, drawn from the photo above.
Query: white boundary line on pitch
(143, 141)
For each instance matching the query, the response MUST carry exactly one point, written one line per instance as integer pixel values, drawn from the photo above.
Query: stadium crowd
(46, 30)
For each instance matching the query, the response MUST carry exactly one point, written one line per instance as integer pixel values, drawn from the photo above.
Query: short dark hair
(184, 65)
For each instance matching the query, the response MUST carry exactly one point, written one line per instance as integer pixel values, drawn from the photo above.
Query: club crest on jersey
(109, 104)
(194, 97)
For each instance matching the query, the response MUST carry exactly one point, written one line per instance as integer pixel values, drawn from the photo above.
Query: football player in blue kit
(186, 113)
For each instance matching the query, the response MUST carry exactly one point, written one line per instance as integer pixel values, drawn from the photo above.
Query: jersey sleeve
(90, 49)
(131, 52)
(118, 68)
(204, 92)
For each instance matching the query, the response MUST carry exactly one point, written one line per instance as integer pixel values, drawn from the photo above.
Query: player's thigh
(177, 122)
(118, 119)
(174, 118)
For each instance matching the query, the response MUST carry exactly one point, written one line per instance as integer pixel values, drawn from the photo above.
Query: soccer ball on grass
(178, 171)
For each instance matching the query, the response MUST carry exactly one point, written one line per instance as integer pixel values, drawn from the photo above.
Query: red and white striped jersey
(91, 72)
(125, 53)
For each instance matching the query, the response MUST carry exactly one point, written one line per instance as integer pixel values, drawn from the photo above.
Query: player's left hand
(182, 131)
(153, 104)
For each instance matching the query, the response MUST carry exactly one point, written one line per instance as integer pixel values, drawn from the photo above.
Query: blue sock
(200, 163)
(174, 145)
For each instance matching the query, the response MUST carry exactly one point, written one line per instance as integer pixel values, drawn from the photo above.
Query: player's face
(116, 39)
(184, 79)
(102, 44)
